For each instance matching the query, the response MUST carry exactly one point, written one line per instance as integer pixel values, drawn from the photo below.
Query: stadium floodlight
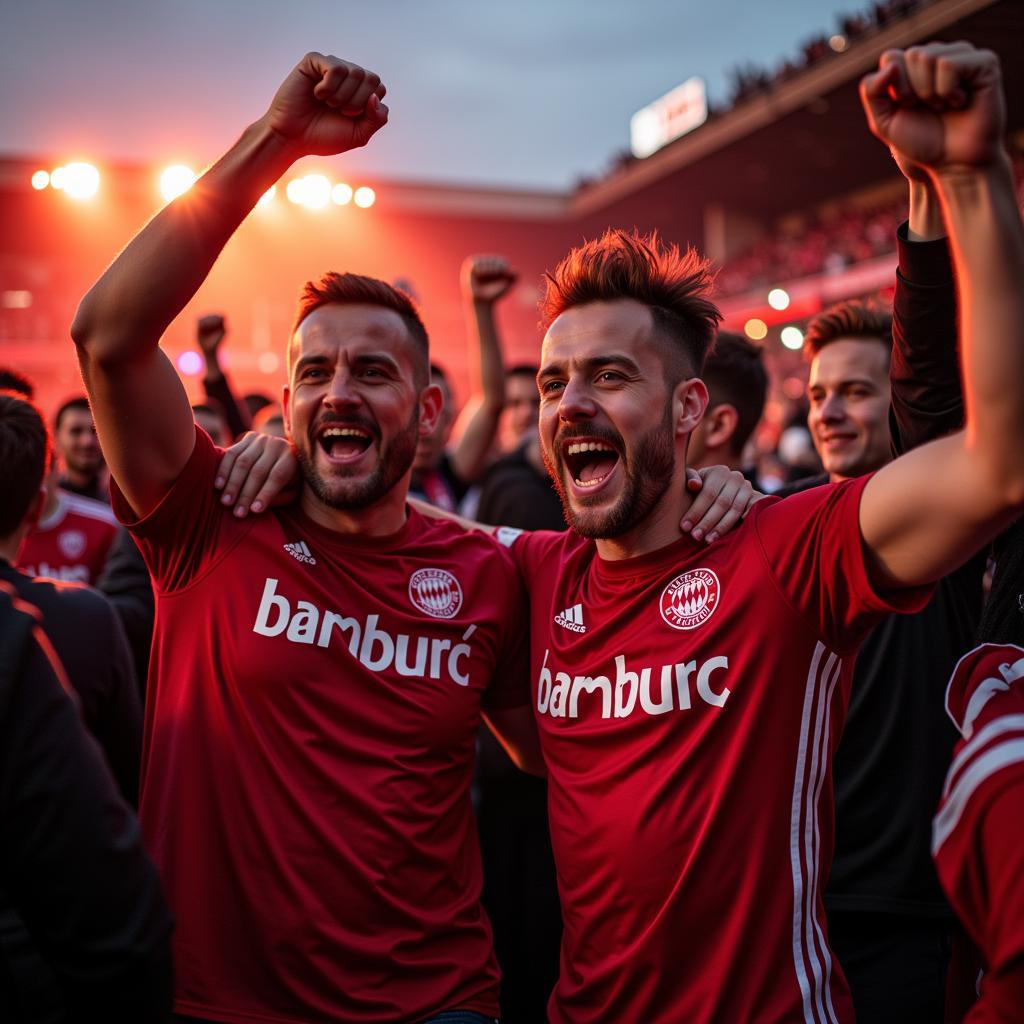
(40, 180)
(792, 337)
(755, 328)
(176, 180)
(268, 197)
(778, 298)
(365, 197)
(78, 180)
(316, 192)
(268, 362)
(296, 191)
(341, 193)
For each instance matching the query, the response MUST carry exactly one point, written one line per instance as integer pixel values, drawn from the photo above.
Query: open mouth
(344, 443)
(589, 462)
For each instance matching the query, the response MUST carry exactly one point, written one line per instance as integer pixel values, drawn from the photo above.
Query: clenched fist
(487, 278)
(938, 106)
(326, 106)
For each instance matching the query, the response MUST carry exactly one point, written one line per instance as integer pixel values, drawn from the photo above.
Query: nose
(576, 402)
(832, 408)
(341, 392)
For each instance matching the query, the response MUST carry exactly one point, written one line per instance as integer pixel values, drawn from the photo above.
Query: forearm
(925, 219)
(151, 281)
(987, 243)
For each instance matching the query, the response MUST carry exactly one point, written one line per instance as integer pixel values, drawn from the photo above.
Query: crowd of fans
(249, 824)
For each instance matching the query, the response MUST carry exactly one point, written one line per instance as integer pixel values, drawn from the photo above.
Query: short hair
(523, 370)
(24, 456)
(11, 380)
(628, 265)
(858, 320)
(76, 402)
(734, 373)
(358, 290)
(254, 401)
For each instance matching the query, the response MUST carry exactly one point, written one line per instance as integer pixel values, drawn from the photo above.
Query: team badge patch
(690, 599)
(436, 592)
(71, 543)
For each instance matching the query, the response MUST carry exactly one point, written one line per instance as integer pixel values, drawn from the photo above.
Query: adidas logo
(572, 619)
(299, 551)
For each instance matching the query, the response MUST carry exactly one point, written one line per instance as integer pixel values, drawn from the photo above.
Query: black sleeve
(235, 413)
(927, 396)
(71, 856)
(125, 581)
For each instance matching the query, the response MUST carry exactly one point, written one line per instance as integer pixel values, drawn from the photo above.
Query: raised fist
(487, 278)
(210, 332)
(327, 106)
(939, 107)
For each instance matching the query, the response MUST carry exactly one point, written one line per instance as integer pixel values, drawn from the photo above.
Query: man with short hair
(319, 673)
(81, 460)
(737, 385)
(519, 417)
(689, 699)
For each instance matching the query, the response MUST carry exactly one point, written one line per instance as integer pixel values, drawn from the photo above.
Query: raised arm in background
(211, 330)
(941, 106)
(143, 418)
(485, 280)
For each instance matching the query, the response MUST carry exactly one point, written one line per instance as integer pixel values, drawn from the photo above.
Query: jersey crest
(690, 599)
(435, 592)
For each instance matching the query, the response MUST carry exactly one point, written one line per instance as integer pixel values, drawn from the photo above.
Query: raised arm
(941, 106)
(485, 281)
(211, 331)
(142, 414)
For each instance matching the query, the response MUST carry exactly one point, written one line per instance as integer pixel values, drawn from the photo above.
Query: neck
(659, 528)
(78, 478)
(382, 518)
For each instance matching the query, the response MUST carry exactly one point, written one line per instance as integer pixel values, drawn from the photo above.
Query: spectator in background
(211, 331)
(209, 416)
(737, 386)
(522, 405)
(254, 401)
(79, 452)
(72, 538)
(73, 865)
(441, 474)
(270, 420)
(11, 380)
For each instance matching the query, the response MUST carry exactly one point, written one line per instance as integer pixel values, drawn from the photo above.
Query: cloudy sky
(528, 92)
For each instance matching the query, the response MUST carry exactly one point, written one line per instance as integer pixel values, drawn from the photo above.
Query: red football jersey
(689, 702)
(978, 833)
(313, 706)
(72, 543)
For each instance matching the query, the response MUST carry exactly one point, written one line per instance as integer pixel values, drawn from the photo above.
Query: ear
(431, 406)
(286, 409)
(689, 400)
(720, 424)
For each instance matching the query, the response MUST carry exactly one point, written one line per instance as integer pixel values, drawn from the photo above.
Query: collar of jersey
(350, 541)
(653, 562)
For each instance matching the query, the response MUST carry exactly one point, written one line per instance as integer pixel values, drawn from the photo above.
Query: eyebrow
(359, 360)
(590, 364)
(845, 382)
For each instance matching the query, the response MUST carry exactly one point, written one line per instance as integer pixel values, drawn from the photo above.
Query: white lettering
(683, 683)
(704, 682)
(460, 651)
(302, 628)
(332, 619)
(666, 691)
(622, 680)
(544, 685)
(586, 684)
(560, 695)
(269, 601)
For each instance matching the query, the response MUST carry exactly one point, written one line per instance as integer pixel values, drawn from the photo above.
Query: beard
(341, 489)
(647, 471)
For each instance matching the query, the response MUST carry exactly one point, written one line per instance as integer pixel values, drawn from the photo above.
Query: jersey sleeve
(814, 550)
(510, 687)
(532, 550)
(187, 532)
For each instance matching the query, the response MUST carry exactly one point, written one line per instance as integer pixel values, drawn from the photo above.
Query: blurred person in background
(78, 451)
(522, 405)
(737, 385)
(211, 330)
(442, 474)
(210, 417)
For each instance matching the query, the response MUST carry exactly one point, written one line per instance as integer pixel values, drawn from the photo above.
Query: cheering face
(77, 442)
(352, 408)
(848, 388)
(606, 417)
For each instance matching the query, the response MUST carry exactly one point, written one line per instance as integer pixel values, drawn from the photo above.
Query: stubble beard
(338, 491)
(648, 474)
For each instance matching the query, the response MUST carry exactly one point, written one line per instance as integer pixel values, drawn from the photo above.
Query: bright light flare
(176, 180)
(755, 328)
(317, 192)
(296, 191)
(778, 298)
(78, 180)
(190, 363)
(268, 362)
(40, 180)
(341, 194)
(268, 197)
(838, 43)
(792, 337)
(365, 197)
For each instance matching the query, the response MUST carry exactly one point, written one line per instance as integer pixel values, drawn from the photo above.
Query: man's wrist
(925, 223)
